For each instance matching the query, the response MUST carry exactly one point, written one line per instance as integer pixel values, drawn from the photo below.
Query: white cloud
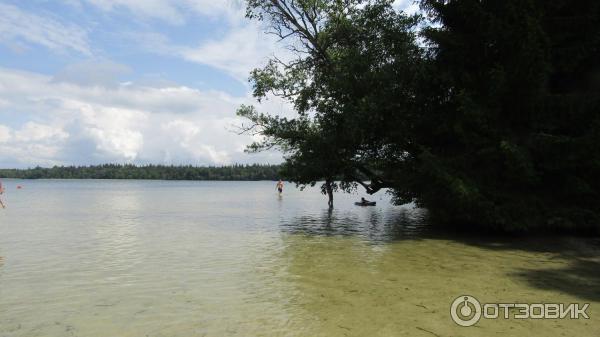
(69, 123)
(240, 51)
(5, 134)
(408, 6)
(31, 88)
(189, 137)
(104, 73)
(33, 143)
(148, 8)
(114, 131)
(34, 132)
(172, 11)
(18, 28)
(183, 131)
(242, 48)
(85, 114)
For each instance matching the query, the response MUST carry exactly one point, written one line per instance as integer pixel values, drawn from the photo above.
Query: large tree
(514, 144)
(489, 117)
(351, 82)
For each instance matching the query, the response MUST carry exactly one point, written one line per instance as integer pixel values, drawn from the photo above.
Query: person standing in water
(1, 192)
(280, 186)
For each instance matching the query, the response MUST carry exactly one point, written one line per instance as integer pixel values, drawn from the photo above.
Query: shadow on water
(581, 278)
(578, 275)
(375, 226)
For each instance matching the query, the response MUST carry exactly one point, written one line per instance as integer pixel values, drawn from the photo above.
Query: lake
(181, 258)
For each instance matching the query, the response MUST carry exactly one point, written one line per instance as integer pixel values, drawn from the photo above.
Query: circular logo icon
(465, 310)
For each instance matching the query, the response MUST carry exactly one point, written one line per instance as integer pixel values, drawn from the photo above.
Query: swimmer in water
(1, 192)
(280, 186)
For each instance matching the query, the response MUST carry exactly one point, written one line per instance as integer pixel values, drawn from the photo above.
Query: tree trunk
(329, 190)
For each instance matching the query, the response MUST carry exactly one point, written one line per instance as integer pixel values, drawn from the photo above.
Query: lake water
(157, 258)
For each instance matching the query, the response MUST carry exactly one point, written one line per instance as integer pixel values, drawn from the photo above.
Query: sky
(86, 82)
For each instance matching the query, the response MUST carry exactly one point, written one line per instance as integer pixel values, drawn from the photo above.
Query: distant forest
(162, 172)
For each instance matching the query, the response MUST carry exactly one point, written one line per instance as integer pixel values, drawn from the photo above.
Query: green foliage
(523, 106)
(490, 117)
(337, 83)
(159, 172)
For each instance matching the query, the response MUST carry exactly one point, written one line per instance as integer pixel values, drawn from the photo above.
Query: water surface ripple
(154, 258)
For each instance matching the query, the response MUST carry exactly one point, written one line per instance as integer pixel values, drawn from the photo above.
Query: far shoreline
(234, 172)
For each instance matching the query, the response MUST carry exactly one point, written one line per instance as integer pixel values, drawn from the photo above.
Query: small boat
(367, 203)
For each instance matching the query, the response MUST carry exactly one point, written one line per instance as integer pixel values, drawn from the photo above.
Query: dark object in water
(365, 203)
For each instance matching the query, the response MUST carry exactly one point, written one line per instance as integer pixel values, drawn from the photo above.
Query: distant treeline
(163, 172)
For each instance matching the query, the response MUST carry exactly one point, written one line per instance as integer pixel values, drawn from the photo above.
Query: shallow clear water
(153, 258)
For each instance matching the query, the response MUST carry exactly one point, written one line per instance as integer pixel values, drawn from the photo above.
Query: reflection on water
(373, 225)
(130, 258)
